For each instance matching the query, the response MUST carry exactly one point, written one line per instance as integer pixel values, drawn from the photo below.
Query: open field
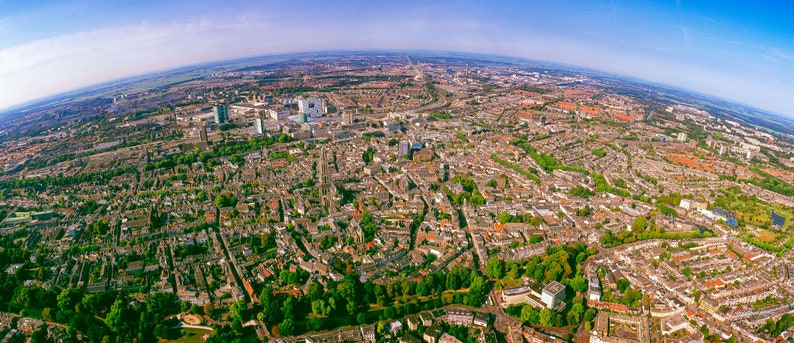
(766, 236)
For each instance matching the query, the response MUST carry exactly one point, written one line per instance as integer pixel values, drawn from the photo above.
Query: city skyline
(739, 52)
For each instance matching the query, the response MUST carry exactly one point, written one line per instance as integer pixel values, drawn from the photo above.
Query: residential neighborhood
(393, 198)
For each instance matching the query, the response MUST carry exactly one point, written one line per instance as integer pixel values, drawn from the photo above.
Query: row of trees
(229, 149)
(545, 161)
(772, 183)
(561, 263)
(351, 301)
(603, 186)
(642, 229)
(39, 184)
(125, 320)
(573, 315)
(549, 164)
(530, 174)
(526, 218)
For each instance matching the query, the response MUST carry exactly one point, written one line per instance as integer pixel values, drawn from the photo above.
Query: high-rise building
(303, 105)
(710, 142)
(259, 125)
(405, 148)
(312, 107)
(221, 114)
(723, 149)
(682, 136)
(347, 118)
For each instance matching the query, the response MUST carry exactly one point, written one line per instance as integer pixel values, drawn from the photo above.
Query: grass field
(188, 336)
(767, 236)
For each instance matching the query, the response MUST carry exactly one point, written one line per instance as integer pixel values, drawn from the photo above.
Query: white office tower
(259, 126)
(312, 107)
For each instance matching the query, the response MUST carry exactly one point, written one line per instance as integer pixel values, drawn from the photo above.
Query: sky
(738, 50)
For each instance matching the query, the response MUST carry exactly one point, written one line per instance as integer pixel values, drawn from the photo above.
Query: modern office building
(312, 107)
(553, 294)
(259, 126)
(220, 113)
(405, 148)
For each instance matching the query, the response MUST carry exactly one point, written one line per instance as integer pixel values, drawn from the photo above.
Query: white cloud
(55, 65)
(50, 66)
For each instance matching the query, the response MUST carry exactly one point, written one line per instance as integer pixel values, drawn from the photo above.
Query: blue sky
(742, 51)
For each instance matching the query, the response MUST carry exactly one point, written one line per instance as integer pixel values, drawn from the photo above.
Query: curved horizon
(741, 53)
(97, 87)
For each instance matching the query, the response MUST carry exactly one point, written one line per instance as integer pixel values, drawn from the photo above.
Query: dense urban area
(392, 198)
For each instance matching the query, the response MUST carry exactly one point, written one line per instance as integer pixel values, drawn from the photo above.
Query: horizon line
(15, 111)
